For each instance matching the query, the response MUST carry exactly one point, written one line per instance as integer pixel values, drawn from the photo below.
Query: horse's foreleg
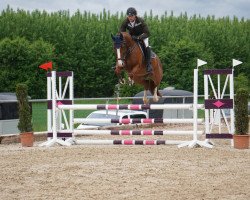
(130, 81)
(145, 98)
(155, 98)
(122, 81)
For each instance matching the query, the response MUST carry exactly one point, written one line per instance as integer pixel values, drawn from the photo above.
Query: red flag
(46, 66)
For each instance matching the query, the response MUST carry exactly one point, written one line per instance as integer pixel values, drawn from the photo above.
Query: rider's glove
(135, 37)
(142, 36)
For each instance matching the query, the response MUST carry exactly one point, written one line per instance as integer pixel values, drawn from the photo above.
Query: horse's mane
(126, 35)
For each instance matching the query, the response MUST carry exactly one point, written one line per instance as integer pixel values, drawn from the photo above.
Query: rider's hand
(134, 37)
(142, 36)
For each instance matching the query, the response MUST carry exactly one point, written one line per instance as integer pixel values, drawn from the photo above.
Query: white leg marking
(145, 99)
(155, 95)
(119, 62)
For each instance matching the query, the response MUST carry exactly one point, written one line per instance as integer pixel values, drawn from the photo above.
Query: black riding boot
(148, 59)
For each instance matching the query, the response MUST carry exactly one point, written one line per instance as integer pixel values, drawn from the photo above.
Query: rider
(138, 29)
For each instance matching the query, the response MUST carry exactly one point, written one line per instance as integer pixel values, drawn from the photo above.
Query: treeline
(81, 42)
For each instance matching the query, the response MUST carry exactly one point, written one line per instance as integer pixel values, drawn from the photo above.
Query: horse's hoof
(122, 81)
(156, 99)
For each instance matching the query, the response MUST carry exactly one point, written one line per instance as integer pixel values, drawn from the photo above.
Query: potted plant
(241, 137)
(24, 111)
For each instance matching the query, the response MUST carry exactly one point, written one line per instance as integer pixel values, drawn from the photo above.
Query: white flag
(236, 62)
(200, 62)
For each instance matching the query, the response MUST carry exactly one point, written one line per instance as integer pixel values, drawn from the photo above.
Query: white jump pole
(133, 132)
(129, 107)
(128, 142)
(138, 121)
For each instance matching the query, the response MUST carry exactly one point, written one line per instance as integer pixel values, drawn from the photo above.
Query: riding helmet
(131, 11)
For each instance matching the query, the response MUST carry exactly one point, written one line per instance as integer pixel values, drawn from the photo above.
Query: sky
(218, 8)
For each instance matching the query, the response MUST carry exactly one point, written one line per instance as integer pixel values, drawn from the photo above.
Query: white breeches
(146, 42)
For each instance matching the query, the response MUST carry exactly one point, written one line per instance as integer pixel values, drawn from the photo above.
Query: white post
(235, 63)
(219, 111)
(195, 140)
(206, 96)
(54, 129)
(195, 102)
(49, 111)
(71, 97)
(59, 118)
(232, 110)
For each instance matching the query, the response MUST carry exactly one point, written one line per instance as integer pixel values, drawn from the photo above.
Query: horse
(130, 57)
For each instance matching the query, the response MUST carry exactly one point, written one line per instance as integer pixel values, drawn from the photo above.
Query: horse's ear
(112, 36)
(121, 36)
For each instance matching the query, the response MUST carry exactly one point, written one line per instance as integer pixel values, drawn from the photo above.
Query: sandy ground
(124, 172)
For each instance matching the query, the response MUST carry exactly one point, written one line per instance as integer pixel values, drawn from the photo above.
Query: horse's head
(119, 46)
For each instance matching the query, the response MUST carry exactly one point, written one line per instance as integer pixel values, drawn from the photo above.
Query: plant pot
(27, 139)
(241, 141)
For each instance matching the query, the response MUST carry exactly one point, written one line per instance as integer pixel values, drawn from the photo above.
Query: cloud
(218, 8)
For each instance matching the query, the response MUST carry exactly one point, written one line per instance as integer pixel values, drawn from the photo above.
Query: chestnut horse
(130, 57)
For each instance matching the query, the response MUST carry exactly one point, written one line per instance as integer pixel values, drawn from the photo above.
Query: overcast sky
(219, 8)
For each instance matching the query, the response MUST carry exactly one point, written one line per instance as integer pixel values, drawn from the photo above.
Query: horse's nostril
(120, 63)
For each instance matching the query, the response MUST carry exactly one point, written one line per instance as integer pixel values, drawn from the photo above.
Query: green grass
(39, 116)
(201, 113)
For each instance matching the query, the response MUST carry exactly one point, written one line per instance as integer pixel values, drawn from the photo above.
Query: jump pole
(127, 107)
(128, 142)
(139, 121)
(134, 132)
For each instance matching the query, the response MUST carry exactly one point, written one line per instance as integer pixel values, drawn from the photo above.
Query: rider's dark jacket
(140, 28)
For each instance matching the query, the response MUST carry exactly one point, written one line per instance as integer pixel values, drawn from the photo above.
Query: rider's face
(131, 18)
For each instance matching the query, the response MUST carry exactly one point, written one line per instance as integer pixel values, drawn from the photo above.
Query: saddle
(143, 49)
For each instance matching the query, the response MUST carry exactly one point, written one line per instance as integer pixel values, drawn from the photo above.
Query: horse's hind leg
(145, 98)
(154, 91)
(155, 98)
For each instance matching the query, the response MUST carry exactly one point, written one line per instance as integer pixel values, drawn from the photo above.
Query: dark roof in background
(168, 92)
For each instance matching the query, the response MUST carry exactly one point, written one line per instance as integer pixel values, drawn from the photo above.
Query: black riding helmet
(131, 11)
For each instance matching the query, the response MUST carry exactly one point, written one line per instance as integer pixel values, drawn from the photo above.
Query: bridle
(127, 53)
(122, 54)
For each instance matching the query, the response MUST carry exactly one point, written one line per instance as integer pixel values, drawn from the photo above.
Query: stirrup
(149, 69)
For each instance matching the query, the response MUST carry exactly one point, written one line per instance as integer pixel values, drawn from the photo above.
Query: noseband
(128, 51)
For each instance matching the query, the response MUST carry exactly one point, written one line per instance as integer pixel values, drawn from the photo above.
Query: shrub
(241, 112)
(24, 110)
